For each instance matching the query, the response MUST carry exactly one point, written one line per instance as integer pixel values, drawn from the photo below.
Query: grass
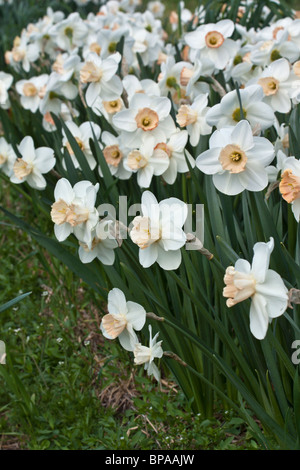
(70, 388)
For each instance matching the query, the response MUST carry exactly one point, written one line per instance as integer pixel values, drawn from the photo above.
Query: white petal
(259, 319)
(275, 294)
(261, 259)
(136, 315)
(148, 256)
(116, 302)
(168, 260)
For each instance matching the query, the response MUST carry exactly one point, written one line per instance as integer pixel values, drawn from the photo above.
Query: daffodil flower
(123, 319)
(265, 288)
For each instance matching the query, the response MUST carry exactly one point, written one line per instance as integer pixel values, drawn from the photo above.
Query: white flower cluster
(161, 104)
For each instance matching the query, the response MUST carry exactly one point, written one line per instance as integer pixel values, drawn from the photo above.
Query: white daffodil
(194, 118)
(146, 355)
(236, 159)
(100, 75)
(177, 153)
(32, 91)
(158, 231)
(5, 83)
(74, 210)
(123, 319)
(23, 53)
(7, 157)
(66, 66)
(115, 153)
(147, 161)
(212, 41)
(146, 115)
(70, 32)
(82, 135)
(269, 295)
(33, 164)
(102, 245)
(289, 186)
(275, 82)
(228, 111)
(157, 8)
(2, 352)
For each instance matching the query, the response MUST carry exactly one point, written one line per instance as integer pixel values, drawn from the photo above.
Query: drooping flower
(33, 164)
(158, 231)
(269, 295)
(147, 354)
(123, 319)
(236, 159)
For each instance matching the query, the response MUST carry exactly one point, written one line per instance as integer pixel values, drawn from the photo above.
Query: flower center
(239, 286)
(269, 85)
(214, 39)
(136, 160)
(112, 47)
(186, 116)
(275, 55)
(147, 119)
(171, 82)
(58, 65)
(165, 148)
(233, 159)
(237, 60)
(90, 73)
(113, 155)
(22, 168)
(73, 214)
(296, 68)
(69, 32)
(236, 115)
(114, 324)
(289, 186)
(142, 234)
(112, 106)
(185, 76)
(95, 243)
(29, 89)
